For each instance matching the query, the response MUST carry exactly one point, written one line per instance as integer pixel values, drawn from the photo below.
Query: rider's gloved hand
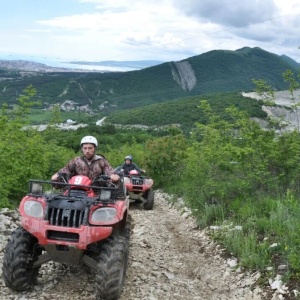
(54, 177)
(114, 177)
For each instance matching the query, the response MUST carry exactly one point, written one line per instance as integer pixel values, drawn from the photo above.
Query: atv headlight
(105, 214)
(105, 194)
(33, 209)
(148, 181)
(126, 180)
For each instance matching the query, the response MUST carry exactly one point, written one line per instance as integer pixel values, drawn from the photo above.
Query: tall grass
(264, 234)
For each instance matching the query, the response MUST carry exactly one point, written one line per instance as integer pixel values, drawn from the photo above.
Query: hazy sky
(165, 30)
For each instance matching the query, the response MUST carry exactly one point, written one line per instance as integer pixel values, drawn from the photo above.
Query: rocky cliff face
(184, 75)
(287, 111)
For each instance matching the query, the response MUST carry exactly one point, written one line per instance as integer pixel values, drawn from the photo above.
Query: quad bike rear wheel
(20, 254)
(112, 267)
(148, 205)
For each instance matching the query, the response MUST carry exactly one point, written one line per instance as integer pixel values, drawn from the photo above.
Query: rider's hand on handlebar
(114, 177)
(54, 177)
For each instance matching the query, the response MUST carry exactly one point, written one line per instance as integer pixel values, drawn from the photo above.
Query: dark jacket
(128, 168)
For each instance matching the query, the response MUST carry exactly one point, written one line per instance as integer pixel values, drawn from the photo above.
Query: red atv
(78, 222)
(139, 189)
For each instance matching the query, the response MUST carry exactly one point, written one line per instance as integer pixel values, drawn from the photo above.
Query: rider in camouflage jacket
(81, 166)
(90, 164)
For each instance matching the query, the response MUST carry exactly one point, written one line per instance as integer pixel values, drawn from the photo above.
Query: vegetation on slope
(184, 111)
(216, 71)
(230, 173)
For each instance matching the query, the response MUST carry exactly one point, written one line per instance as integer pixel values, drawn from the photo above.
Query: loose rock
(170, 258)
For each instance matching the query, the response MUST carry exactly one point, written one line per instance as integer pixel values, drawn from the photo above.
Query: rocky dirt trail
(170, 258)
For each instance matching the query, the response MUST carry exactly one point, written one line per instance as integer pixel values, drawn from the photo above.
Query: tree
(165, 158)
(24, 152)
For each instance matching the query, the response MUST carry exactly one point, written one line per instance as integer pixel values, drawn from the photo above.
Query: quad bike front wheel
(20, 253)
(112, 267)
(148, 205)
(127, 228)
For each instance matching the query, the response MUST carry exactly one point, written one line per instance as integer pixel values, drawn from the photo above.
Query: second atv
(139, 189)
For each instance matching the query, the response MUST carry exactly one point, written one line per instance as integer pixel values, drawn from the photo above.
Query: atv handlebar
(123, 172)
(105, 177)
(101, 180)
(62, 177)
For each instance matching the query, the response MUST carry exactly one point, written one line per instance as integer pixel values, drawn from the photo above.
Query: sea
(59, 63)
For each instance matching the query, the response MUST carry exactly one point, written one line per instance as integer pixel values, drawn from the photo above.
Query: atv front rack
(104, 194)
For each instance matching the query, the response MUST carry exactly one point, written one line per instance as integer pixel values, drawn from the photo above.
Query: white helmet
(89, 140)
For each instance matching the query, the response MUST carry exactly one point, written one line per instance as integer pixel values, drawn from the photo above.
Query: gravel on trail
(170, 258)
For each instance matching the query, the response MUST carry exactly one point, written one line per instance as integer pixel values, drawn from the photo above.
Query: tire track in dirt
(170, 258)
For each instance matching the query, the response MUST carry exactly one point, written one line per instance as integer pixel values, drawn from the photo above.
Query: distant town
(50, 65)
(30, 66)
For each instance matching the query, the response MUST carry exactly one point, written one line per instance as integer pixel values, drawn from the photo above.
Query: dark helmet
(128, 157)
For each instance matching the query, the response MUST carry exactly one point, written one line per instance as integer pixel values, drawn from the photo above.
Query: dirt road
(170, 258)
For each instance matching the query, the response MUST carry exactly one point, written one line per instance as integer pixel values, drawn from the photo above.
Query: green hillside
(224, 71)
(213, 72)
(185, 111)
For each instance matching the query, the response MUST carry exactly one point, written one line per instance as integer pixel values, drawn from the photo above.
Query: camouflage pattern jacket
(81, 166)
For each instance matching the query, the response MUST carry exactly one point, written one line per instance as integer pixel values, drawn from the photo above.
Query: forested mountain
(216, 71)
(185, 111)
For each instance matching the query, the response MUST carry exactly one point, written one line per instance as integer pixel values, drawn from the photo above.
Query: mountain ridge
(216, 71)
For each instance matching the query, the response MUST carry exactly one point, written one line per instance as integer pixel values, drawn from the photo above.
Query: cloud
(158, 29)
(232, 13)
